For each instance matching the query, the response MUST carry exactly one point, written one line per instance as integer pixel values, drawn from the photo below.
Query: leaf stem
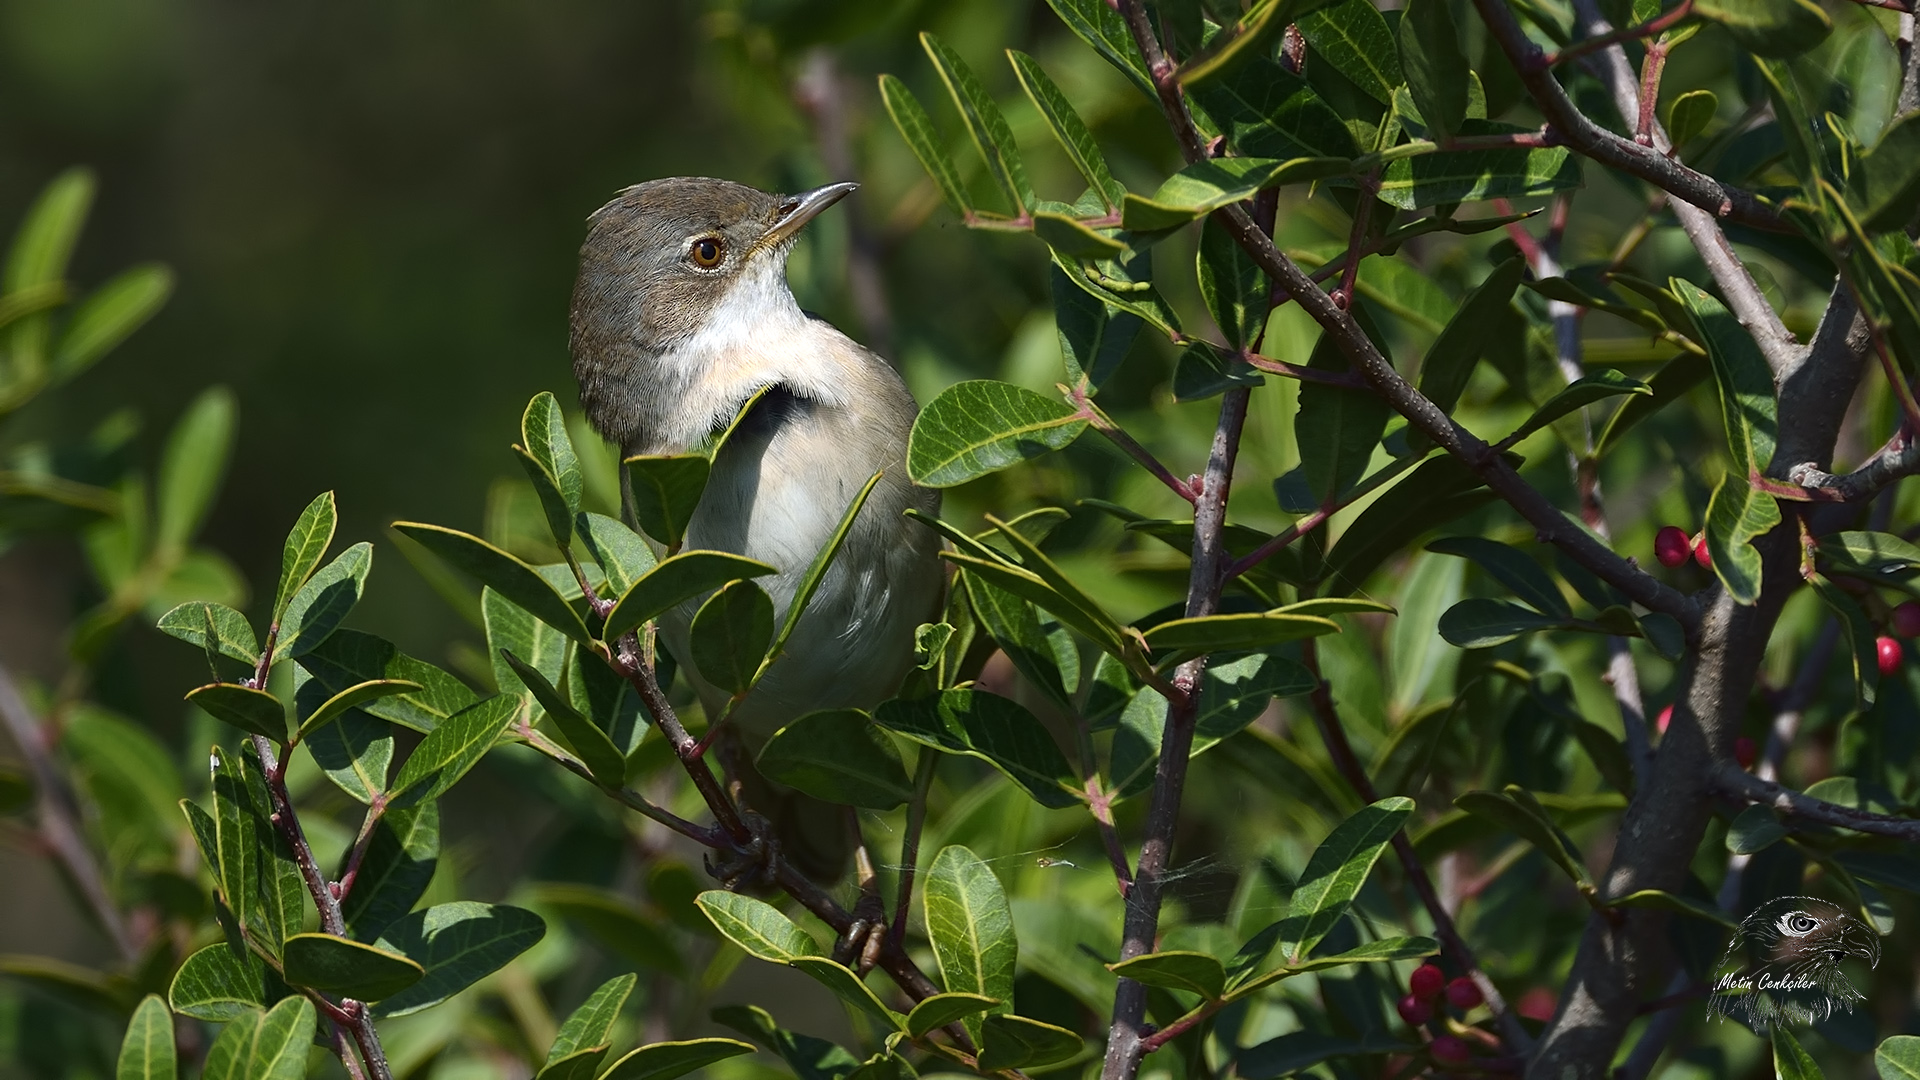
(1104, 424)
(1646, 29)
(923, 771)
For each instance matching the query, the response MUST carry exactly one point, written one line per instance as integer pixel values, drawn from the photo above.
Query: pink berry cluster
(1672, 545)
(1425, 987)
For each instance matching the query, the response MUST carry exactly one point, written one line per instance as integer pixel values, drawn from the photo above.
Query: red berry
(1889, 650)
(1670, 546)
(1462, 994)
(1745, 752)
(1700, 553)
(1449, 1049)
(1906, 619)
(1665, 718)
(1537, 1004)
(1426, 981)
(1414, 1011)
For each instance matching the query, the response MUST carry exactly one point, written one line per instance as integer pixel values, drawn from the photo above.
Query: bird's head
(675, 275)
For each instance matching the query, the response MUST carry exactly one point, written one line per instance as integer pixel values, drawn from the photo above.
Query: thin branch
(1632, 33)
(59, 817)
(1730, 779)
(1100, 422)
(1100, 805)
(641, 677)
(1897, 459)
(910, 843)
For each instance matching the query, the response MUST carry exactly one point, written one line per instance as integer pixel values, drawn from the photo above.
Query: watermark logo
(1783, 965)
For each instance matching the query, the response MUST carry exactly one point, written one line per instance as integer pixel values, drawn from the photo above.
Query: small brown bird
(680, 315)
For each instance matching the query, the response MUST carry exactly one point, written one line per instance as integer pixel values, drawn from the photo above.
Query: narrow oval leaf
(1253, 630)
(677, 579)
(501, 572)
(1754, 829)
(394, 874)
(1510, 567)
(592, 1023)
(730, 634)
(1337, 427)
(1015, 1042)
(577, 1065)
(109, 315)
(1232, 285)
(335, 965)
(981, 426)
(306, 545)
(1436, 68)
(991, 727)
(233, 635)
(669, 1060)
(1449, 362)
(971, 928)
(1094, 335)
(1736, 514)
(146, 1052)
(269, 1046)
(1478, 623)
(1206, 186)
(1067, 127)
(839, 757)
(1747, 405)
(1769, 27)
(936, 1012)
(848, 987)
(666, 491)
(607, 764)
(458, 944)
(1690, 114)
(352, 698)
(1193, 972)
(451, 749)
(1579, 394)
(216, 985)
(1335, 872)
(984, 123)
(1886, 179)
(1790, 1061)
(1374, 952)
(193, 466)
(326, 599)
(622, 555)
(756, 926)
(47, 234)
(916, 127)
(1684, 905)
(543, 431)
(1353, 37)
(250, 710)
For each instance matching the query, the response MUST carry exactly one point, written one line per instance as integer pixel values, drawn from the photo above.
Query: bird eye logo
(1783, 965)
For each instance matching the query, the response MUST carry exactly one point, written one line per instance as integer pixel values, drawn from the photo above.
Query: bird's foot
(750, 866)
(859, 948)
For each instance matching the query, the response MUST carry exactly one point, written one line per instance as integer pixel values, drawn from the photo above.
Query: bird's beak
(796, 210)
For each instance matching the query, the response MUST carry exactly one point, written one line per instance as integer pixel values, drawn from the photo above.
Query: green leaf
(1336, 871)
(848, 987)
(1862, 640)
(936, 1012)
(250, 710)
(1885, 183)
(1436, 69)
(192, 467)
(1233, 693)
(511, 628)
(1439, 490)
(109, 315)
(349, 657)
(992, 728)
(669, 1060)
(1193, 972)
(1448, 365)
(458, 944)
(1682, 905)
(578, 1065)
(1769, 27)
(1269, 112)
(1754, 829)
(1516, 811)
(916, 127)
(666, 492)
(306, 545)
(263, 1046)
(622, 555)
(1510, 567)
(1099, 25)
(613, 921)
(218, 983)
(675, 580)
(335, 965)
(1373, 952)
(233, 636)
(1015, 1042)
(401, 858)
(985, 125)
(756, 926)
(981, 426)
(451, 749)
(1204, 371)
(970, 927)
(605, 761)
(146, 1053)
(1669, 384)
(1232, 285)
(326, 599)
(1294, 1054)
(1094, 334)
(1579, 394)
(1737, 514)
(1898, 1058)
(1251, 630)
(1073, 239)
(45, 241)
(1690, 114)
(1206, 186)
(543, 432)
(501, 572)
(1479, 623)
(1353, 37)
(730, 635)
(1790, 1062)
(1066, 125)
(1456, 176)
(591, 1024)
(1337, 427)
(236, 832)
(354, 697)
(1747, 405)
(1871, 552)
(837, 756)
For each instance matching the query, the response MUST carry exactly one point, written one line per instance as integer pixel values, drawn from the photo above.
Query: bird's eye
(1797, 923)
(707, 252)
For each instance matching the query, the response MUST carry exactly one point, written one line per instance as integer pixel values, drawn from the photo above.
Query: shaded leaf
(1769, 27)
(1193, 972)
(1736, 515)
(666, 491)
(1015, 1042)
(992, 728)
(1094, 334)
(675, 580)
(621, 554)
(1510, 567)
(1683, 905)
(837, 756)
(605, 761)
(668, 1060)
(1478, 623)
(1579, 394)
(1253, 630)
(349, 657)
(1436, 68)
(591, 1024)
(1206, 186)
(451, 749)
(306, 545)
(458, 944)
(730, 635)
(935, 1012)
(348, 968)
(354, 697)
(1354, 38)
(401, 858)
(501, 572)
(1448, 364)
(250, 710)
(1454, 176)
(1334, 874)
